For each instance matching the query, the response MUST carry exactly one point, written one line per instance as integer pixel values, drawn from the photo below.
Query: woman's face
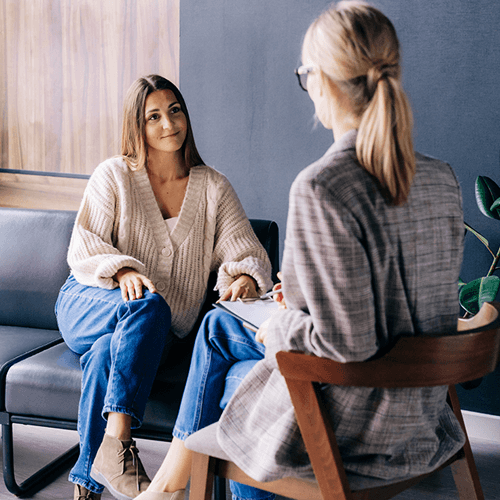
(166, 123)
(318, 94)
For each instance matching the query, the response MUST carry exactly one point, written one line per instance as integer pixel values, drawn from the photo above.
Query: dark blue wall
(252, 121)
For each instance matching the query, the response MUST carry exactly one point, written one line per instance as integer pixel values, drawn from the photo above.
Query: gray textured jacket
(357, 273)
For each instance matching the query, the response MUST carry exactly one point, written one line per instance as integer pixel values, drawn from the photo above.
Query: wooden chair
(420, 361)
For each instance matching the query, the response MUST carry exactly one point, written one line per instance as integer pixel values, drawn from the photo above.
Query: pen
(267, 295)
(271, 294)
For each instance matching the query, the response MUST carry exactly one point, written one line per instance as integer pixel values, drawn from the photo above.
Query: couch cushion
(33, 249)
(48, 385)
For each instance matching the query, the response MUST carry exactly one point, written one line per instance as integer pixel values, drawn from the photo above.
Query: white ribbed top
(170, 223)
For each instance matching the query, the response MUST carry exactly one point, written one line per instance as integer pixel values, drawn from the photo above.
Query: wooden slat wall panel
(65, 67)
(40, 191)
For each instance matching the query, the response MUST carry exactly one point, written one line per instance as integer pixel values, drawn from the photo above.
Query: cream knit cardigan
(119, 224)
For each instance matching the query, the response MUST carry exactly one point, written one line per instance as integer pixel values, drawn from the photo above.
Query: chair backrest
(415, 361)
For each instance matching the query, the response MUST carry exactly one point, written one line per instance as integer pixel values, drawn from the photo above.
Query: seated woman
(153, 223)
(373, 251)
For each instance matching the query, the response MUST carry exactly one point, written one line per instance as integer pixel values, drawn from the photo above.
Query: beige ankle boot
(118, 467)
(82, 493)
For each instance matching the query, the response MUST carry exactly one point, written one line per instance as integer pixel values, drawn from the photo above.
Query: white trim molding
(482, 426)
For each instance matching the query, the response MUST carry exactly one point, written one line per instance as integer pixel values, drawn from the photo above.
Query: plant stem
(493, 267)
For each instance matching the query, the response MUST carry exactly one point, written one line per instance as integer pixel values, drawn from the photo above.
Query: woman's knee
(152, 304)
(146, 322)
(85, 313)
(218, 322)
(227, 334)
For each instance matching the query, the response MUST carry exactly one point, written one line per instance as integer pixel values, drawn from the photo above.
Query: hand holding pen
(277, 293)
(272, 293)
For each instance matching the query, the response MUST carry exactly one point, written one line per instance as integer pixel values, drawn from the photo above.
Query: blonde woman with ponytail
(373, 251)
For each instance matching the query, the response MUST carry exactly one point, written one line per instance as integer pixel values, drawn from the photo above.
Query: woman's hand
(244, 287)
(261, 335)
(131, 283)
(279, 296)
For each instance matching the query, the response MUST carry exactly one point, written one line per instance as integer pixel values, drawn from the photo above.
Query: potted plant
(472, 295)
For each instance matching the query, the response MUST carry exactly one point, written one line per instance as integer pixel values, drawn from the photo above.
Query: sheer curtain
(65, 67)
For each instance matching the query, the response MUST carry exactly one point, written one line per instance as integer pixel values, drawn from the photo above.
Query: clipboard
(253, 312)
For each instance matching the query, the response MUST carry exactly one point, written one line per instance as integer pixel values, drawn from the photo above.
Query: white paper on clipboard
(253, 312)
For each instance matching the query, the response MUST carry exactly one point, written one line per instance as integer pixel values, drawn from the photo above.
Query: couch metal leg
(39, 479)
(219, 488)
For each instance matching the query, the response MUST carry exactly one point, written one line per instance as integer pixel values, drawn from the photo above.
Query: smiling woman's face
(166, 123)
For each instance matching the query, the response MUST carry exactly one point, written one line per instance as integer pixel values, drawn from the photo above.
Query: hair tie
(380, 72)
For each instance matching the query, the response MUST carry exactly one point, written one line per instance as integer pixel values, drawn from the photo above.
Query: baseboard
(482, 426)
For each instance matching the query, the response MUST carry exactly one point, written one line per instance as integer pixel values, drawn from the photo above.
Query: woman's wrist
(254, 281)
(121, 272)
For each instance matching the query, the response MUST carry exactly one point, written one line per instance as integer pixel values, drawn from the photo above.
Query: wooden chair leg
(464, 470)
(202, 477)
(467, 480)
(319, 438)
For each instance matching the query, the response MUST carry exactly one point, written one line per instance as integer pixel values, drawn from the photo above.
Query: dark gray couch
(39, 376)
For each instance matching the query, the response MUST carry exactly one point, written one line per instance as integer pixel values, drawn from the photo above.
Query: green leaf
(478, 235)
(469, 296)
(487, 193)
(474, 294)
(489, 289)
(496, 207)
(461, 282)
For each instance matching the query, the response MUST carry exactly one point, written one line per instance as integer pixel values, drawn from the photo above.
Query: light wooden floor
(37, 446)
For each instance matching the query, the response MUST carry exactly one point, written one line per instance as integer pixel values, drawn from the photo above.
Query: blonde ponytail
(356, 46)
(384, 145)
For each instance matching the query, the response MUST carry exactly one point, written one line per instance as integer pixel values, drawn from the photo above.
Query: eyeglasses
(302, 73)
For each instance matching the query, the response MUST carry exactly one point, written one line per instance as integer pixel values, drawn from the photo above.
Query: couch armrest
(268, 234)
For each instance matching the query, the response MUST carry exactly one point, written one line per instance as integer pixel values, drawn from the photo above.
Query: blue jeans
(224, 352)
(119, 347)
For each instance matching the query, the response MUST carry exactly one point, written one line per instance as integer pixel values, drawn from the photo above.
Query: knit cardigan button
(161, 286)
(166, 252)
